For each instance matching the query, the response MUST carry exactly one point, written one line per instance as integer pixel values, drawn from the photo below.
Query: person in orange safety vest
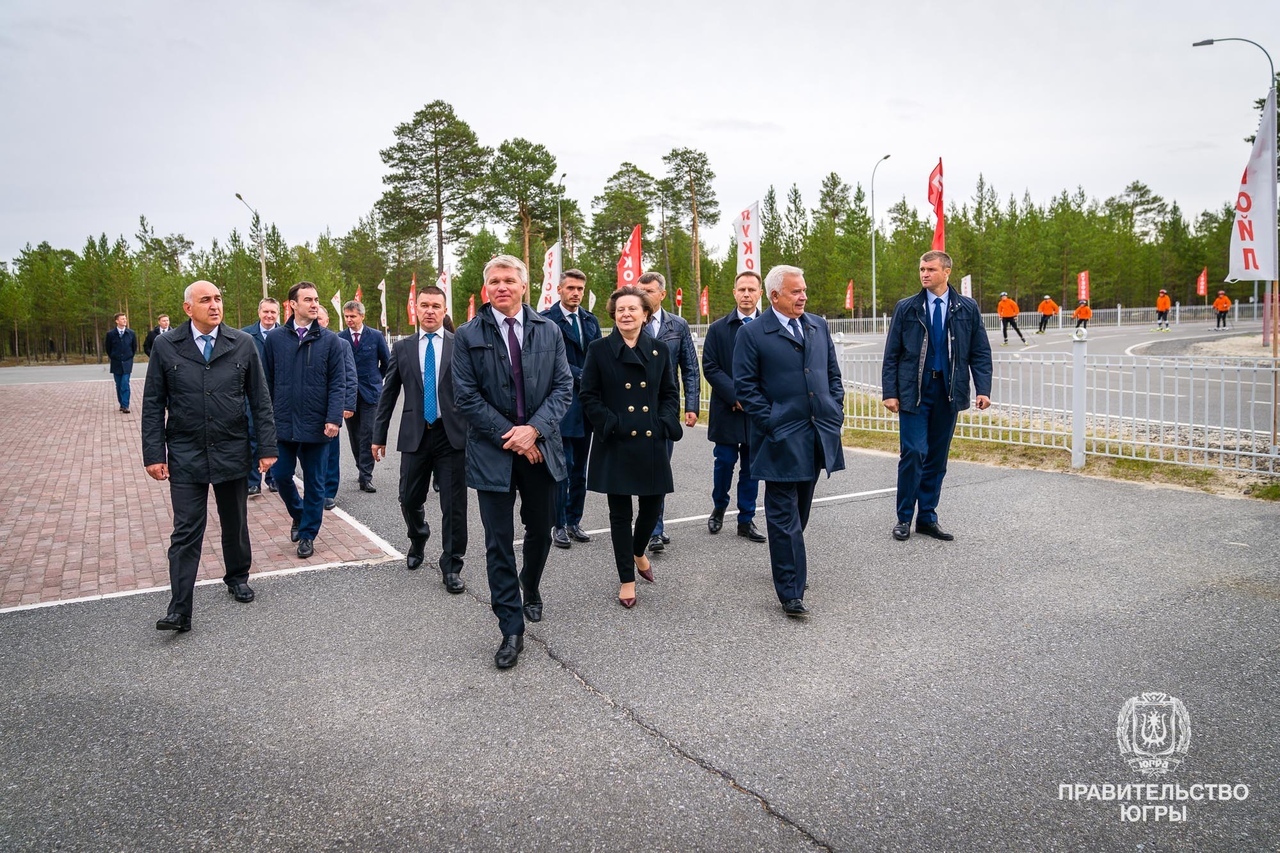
(1083, 314)
(1008, 311)
(1048, 308)
(1163, 304)
(1222, 305)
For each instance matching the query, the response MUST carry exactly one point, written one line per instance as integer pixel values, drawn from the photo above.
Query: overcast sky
(167, 109)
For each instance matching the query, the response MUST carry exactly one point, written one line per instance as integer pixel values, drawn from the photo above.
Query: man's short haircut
(434, 291)
(751, 273)
(118, 316)
(162, 317)
(578, 275)
(654, 276)
(773, 280)
(510, 262)
(268, 299)
(935, 255)
(630, 290)
(353, 305)
(302, 285)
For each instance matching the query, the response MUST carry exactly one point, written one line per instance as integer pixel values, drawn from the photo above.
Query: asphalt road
(936, 700)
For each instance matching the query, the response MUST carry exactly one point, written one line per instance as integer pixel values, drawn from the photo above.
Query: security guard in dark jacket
(195, 433)
(935, 343)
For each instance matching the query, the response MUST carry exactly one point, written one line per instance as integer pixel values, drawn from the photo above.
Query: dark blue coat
(259, 337)
(486, 395)
(575, 423)
(725, 425)
(792, 394)
(372, 358)
(906, 351)
(307, 380)
(674, 332)
(120, 349)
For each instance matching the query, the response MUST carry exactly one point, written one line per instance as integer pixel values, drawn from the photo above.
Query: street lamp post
(1275, 228)
(874, 313)
(262, 246)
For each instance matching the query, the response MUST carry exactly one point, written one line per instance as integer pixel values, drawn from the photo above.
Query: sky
(168, 109)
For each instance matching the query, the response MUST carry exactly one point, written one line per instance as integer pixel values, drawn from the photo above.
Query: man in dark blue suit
(579, 327)
(726, 421)
(268, 318)
(121, 345)
(935, 343)
(372, 356)
(674, 332)
(788, 382)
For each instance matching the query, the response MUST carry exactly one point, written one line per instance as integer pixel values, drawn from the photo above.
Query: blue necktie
(208, 347)
(795, 330)
(429, 381)
(746, 320)
(577, 333)
(939, 336)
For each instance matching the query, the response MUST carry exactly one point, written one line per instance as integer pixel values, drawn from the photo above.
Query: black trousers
(1222, 320)
(1044, 321)
(628, 542)
(190, 517)
(436, 457)
(360, 434)
(1005, 323)
(537, 493)
(786, 515)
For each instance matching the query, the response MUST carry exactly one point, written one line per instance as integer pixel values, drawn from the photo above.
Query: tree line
(446, 193)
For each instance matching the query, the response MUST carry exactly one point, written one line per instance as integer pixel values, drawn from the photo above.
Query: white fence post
(1079, 348)
(1119, 313)
(1177, 313)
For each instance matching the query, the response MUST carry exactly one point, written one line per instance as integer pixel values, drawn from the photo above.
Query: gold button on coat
(633, 433)
(648, 433)
(644, 408)
(631, 408)
(642, 385)
(628, 386)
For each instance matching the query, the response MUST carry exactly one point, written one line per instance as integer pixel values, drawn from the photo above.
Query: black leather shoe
(533, 611)
(902, 532)
(367, 487)
(174, 622)
(306, 547)
(242, 592)
(509, 651)
(655, 544)
(715, 521)
(560, 538)
(933, 530)
(666, 540)
(577, 534)
(330, 503)
(271, 487)
(254, 491)
(453, 583)
(293, 532)
(749, 531)
(413, 557)
(795, 607)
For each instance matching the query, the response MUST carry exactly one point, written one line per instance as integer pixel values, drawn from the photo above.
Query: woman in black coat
(630, 397)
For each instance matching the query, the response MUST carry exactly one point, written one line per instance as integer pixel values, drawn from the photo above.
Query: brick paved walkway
(80, 517)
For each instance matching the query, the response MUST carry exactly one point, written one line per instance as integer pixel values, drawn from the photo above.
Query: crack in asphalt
(653, 731)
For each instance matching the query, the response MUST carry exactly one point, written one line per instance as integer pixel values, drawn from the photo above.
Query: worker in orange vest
(1222, 305)
(1048, 308)
(1008, 311)
(1163, 303)
(1083, 314)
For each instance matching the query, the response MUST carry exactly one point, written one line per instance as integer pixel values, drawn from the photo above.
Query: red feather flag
(935, 199)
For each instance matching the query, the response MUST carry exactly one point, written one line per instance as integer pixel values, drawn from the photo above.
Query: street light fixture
(1275, 227)
(262, 246)
(874, 314)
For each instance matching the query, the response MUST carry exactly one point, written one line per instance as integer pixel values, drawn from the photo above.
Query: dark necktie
(302, 333)
(517, 368)
(429, 411)
(577, 333)
(208, 347)
(355, 340)
(938, 333)
(795, 330)
(746, 320)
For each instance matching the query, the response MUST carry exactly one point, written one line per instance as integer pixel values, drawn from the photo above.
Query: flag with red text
(629, 263)
(1253, 234)
(746, 232)
(935, 199)
(413, 299)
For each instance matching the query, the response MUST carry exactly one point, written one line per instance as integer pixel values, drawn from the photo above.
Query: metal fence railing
(1206, 412)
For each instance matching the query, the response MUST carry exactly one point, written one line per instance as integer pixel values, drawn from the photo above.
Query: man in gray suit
(512, 383)
(432, 438)
(674, 332)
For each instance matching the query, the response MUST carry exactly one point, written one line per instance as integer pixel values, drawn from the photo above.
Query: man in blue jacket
(372, 356)
(121, 345)
(512, 384)
(935, 343)
(674, 332)
(579, 327)
(306, 375)
(788, 381)
(268, 318)
(332, 464)
(726, 421)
